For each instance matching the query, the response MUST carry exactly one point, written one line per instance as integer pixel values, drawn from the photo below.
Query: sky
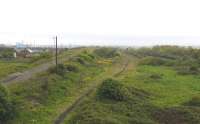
(101, 22)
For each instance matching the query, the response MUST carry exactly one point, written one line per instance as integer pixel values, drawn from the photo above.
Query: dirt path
(17, 77)
(118, 69)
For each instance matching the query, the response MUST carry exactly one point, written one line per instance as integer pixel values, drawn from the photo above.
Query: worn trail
(18, 77)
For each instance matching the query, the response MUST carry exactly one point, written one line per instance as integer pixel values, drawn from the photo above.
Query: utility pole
(56, 53)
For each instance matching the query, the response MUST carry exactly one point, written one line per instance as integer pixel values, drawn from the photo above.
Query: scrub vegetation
(159, 85)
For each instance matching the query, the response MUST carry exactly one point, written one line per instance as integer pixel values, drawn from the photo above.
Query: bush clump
(60, 69)
(7, 106)
(72, 68)
(113, 89)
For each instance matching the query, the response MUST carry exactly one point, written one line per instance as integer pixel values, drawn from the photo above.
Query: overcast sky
(105, 22)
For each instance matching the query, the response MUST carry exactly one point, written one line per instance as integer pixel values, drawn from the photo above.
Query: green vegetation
(161, 94)
(9, 64)
(20, 64)
(7, 106)
(8, 67)
(6, 53)
(41, 56)
(107, 52)
(46, 95)
(118, 104)
(159, 85)
(195, 101)
(114, 90)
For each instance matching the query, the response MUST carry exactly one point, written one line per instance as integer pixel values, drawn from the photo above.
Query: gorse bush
(61, 69)
(114, 90)
(7, 106)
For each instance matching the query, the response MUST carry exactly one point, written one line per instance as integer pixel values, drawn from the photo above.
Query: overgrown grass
(154, 92)
(170, 98)
(8, 67)
(20, 64)
(109, 110)
(46, 95)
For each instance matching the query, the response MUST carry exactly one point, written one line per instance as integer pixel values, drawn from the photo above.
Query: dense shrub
(7, 106)
(60, 69)
(72, 68)
(107, 52)
(81, 61)
(113, 89)
(6, 52)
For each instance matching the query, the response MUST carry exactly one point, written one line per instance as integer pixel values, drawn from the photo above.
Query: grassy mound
(152, 61)
(85, 58)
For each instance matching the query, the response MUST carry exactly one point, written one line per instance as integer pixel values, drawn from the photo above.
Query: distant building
(20, 45)
(25, 53)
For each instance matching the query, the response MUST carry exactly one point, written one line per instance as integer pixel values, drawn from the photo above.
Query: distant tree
(6, 52)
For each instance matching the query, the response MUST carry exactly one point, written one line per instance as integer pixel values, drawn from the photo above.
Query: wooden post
(56, 53)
